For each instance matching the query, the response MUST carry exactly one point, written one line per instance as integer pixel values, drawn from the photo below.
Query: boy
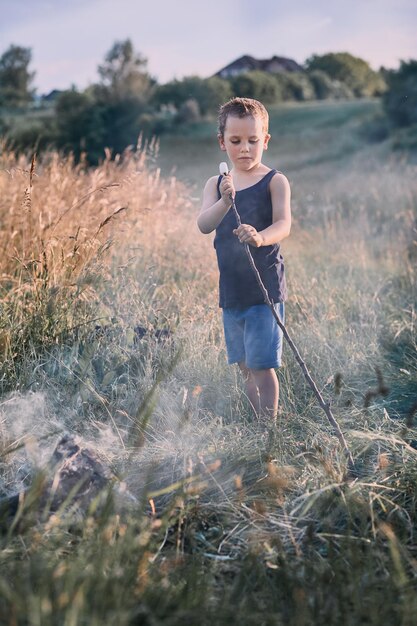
(262, 196)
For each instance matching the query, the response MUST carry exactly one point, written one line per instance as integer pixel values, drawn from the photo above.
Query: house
(246, 63)
(52, 96)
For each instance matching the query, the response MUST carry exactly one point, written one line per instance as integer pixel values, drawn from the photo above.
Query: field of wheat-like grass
(110, 332)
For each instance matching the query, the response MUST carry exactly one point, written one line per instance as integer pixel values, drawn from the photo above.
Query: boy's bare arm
(281, 217)
(213, 210)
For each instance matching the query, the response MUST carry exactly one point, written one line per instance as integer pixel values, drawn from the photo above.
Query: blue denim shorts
(253, 336)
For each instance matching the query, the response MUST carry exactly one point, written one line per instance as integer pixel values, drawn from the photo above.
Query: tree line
(127, 100)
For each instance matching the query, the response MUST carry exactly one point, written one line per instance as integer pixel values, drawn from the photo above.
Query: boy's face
(244, 140)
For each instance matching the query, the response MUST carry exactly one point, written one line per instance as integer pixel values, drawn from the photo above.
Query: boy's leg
(266, 382)
(252, 390)
(234, 328)
(263, 348)
(254, 341)
(262, 388)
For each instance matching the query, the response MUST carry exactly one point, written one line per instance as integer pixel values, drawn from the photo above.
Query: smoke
(24, 423)
(180, 441)
(25, 419)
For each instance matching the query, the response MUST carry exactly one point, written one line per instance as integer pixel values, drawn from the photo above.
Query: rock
(74, 480)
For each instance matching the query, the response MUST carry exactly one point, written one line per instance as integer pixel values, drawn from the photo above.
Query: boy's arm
(281, 217)
(213, 210)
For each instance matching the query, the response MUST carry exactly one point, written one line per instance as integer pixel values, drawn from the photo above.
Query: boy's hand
(227, 188)
(249, 234)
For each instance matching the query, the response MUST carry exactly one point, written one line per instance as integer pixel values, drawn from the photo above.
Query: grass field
(303, 136)
(110, 330)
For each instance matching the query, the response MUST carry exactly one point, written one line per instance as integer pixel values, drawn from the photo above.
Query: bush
(209, 93)
(322, 84)
(295, 86)
(89, 122)
(80, 123)
(4, 126)
(157, 123)
(325, 88)
(35, 135)
(189, 112)
(353, 71)
(216, 91)
(376, 128)
(258, 85)
(405, 138)
(400, 100)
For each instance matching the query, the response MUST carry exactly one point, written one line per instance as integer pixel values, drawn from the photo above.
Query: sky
(70, 38)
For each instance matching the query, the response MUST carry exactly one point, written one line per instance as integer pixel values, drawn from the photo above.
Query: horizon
(382, 32)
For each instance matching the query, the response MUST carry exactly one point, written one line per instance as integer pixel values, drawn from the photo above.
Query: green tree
(189, 112)
(80, 124)
(353, 71)
(123, 73)
(15, 77)
(106, 114)
(171, 93)
(259, 85)
(295, 86)
(400, 99)
(209, 93)
(326, 88)
(85, 124)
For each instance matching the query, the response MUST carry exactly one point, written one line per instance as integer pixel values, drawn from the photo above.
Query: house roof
(248, 63)
(52, 95)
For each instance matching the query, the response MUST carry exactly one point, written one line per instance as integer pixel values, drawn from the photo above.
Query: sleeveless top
(238, 287)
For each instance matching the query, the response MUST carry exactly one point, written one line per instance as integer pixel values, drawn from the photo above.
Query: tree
(326, 88)
(106, 114)
(87, 125)
(80, 124)
(123, 73)
(400, 100)
(295, 86)
(353, 71)
(189, 112)
(15, 78)
(258, 85)
(210, 93)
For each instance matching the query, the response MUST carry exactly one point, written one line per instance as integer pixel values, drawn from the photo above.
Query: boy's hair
(242, 107)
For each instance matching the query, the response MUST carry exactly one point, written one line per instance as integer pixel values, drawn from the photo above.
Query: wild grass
(110, 330)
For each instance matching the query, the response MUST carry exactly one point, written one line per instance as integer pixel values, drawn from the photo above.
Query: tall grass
(110, 330)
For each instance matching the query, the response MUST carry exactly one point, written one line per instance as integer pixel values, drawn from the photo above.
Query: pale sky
(69, 38)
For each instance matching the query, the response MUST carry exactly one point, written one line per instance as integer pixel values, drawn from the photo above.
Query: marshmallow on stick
(223, 168)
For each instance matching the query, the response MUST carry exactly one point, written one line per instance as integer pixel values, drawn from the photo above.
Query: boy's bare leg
(252, 390)
(262, 388)
(267, 383)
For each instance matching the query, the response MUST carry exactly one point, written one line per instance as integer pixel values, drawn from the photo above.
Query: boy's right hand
(227, 189)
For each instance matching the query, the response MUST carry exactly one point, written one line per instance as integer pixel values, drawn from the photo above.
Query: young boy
(262, 197)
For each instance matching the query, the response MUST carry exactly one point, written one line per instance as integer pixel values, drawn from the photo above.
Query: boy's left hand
(249, 234)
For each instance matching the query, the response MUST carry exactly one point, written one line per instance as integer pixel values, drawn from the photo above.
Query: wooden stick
(324, 405)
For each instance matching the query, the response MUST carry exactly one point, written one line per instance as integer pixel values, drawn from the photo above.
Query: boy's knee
(246, 372)
(267, 371)
(264, 374)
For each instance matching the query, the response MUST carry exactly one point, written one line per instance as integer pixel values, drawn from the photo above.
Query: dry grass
(110, 329)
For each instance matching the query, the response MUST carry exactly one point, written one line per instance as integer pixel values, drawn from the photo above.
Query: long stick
(324, 405)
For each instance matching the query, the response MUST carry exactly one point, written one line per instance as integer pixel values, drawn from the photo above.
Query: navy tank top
(238, 287)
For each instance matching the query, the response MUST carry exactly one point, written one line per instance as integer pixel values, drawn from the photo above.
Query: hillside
(303, 136)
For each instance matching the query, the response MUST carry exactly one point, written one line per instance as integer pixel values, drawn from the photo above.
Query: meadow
(110, 330)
